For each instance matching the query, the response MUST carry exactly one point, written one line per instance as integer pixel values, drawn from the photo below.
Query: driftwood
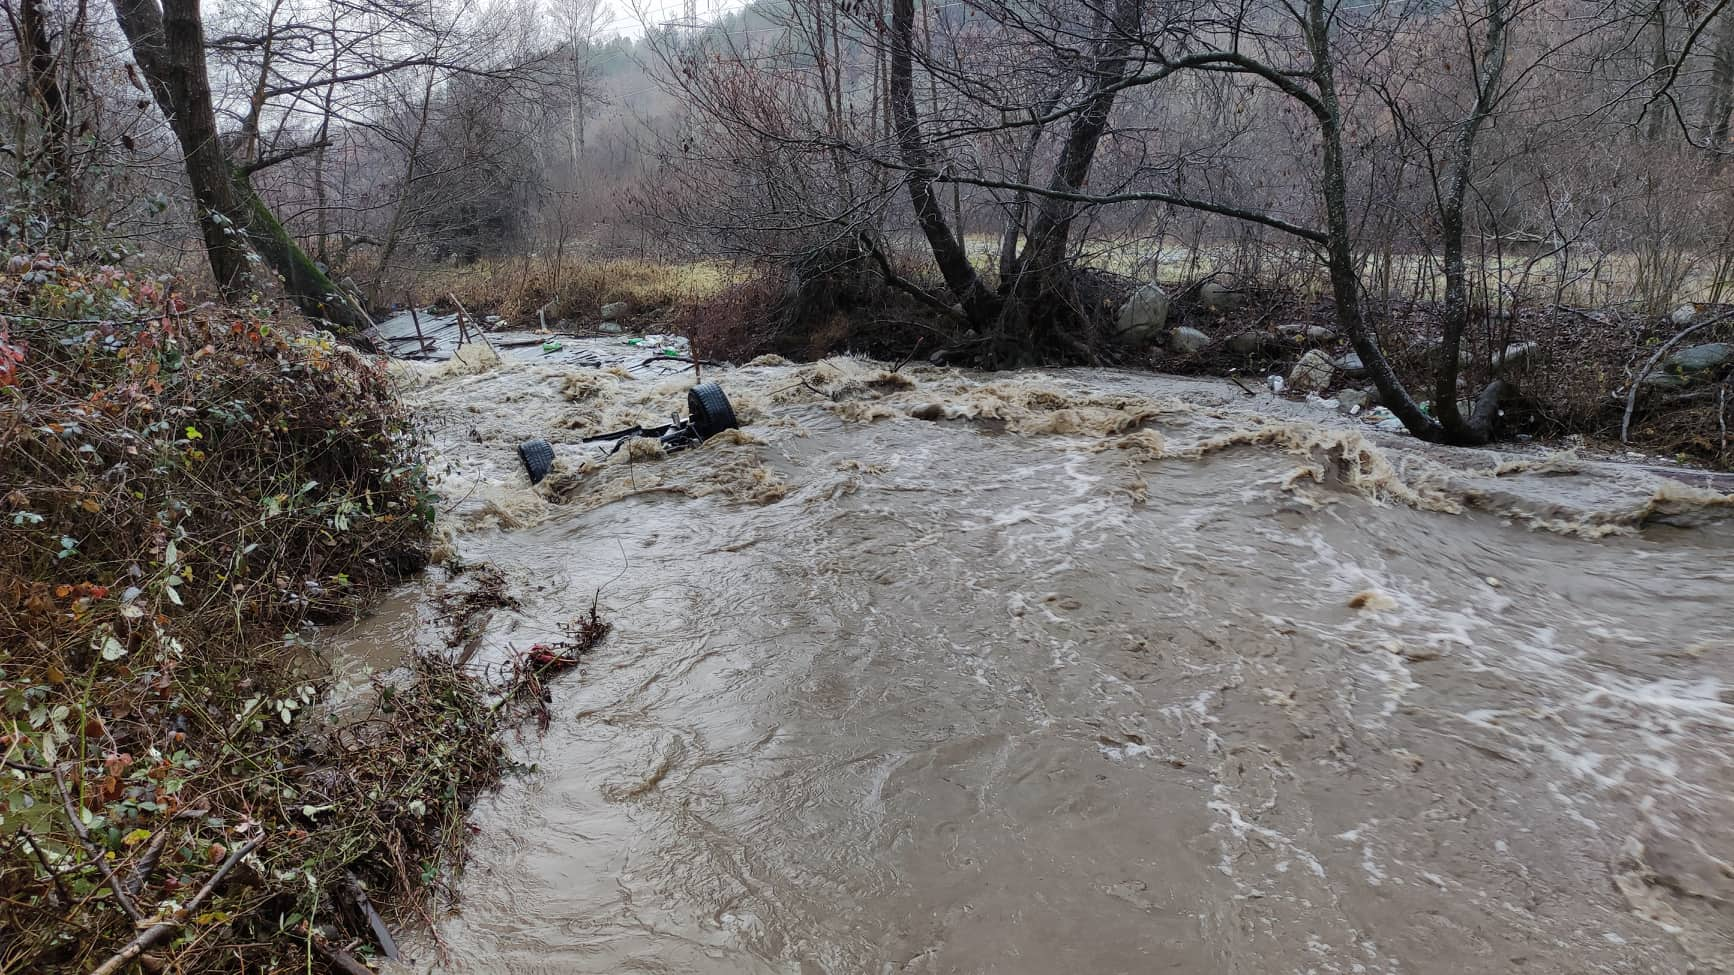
(463, 316)
(160, 930)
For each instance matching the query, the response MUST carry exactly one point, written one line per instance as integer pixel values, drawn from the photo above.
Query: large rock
(1515, 355)
(1187, 340)
(614, 310)
(1144, 316)
(1700, 358)
(1301, 331)
(1313, 373)
(1246, 343)
(1684, 314)
(1666, 382)
(1217, 296)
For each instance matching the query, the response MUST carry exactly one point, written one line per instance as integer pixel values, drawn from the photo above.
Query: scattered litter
(553, 345)
(711, 414)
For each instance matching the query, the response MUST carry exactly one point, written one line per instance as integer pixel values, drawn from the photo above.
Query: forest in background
(1440, 184)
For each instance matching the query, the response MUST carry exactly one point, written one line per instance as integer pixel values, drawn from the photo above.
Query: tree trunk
(980, 305)
(41, 70)
(394, 229)
(1051, 235)
(1721, 93)
(168, 42)
(1460, 163)
(1339, 255)
(1659, 62)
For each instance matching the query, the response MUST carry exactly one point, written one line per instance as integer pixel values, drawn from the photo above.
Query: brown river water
(1082, 672)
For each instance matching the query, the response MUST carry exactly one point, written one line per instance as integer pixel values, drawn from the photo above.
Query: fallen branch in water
(162, 929)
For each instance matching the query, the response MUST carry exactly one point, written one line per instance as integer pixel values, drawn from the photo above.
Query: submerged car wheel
(710, 409)
(538, 458)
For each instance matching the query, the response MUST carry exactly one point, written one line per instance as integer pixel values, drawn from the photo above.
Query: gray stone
(1187, 340)
(1684, 314)
(1351, 365)
(1217, 296)
(1246, 343)
(1665, 381)
(1301, 330)
(1356, 400)
(1143, 316)
(1515, 355)
(1313, 373)
(615, 309)
(612, 328)
(1700, 358)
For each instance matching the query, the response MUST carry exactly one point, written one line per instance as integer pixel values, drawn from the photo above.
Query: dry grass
(575, 290)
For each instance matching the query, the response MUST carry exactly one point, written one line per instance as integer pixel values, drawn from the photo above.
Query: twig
(42, 858)
(917, 348)
(90, 848)
(161, 929)
(1632, 394)
(341, 960)
(25, 766)
(1722, 415)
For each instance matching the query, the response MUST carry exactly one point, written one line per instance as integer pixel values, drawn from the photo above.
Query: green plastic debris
(636, 342)
(553, 345)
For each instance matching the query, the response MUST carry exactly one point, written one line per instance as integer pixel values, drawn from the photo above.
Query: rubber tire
(538, 458)
(710, 409)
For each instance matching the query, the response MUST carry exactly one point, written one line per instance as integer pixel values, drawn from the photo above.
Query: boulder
(1301, 331)
(1245, 343)
(1143, 316)
(612, 328)
(1665, 382)
(1187, 340)
(1700, 358)
(1352, 366)
(1515, 355)
(1684, 314)
(615, 309)
(1313, 373)
(1219, 297)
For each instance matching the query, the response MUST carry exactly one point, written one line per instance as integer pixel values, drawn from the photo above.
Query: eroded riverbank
(928, 672)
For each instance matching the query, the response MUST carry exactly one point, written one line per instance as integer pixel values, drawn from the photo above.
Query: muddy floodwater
(1081, 672)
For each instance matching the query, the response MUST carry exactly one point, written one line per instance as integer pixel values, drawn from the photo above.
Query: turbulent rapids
(1082, 671)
